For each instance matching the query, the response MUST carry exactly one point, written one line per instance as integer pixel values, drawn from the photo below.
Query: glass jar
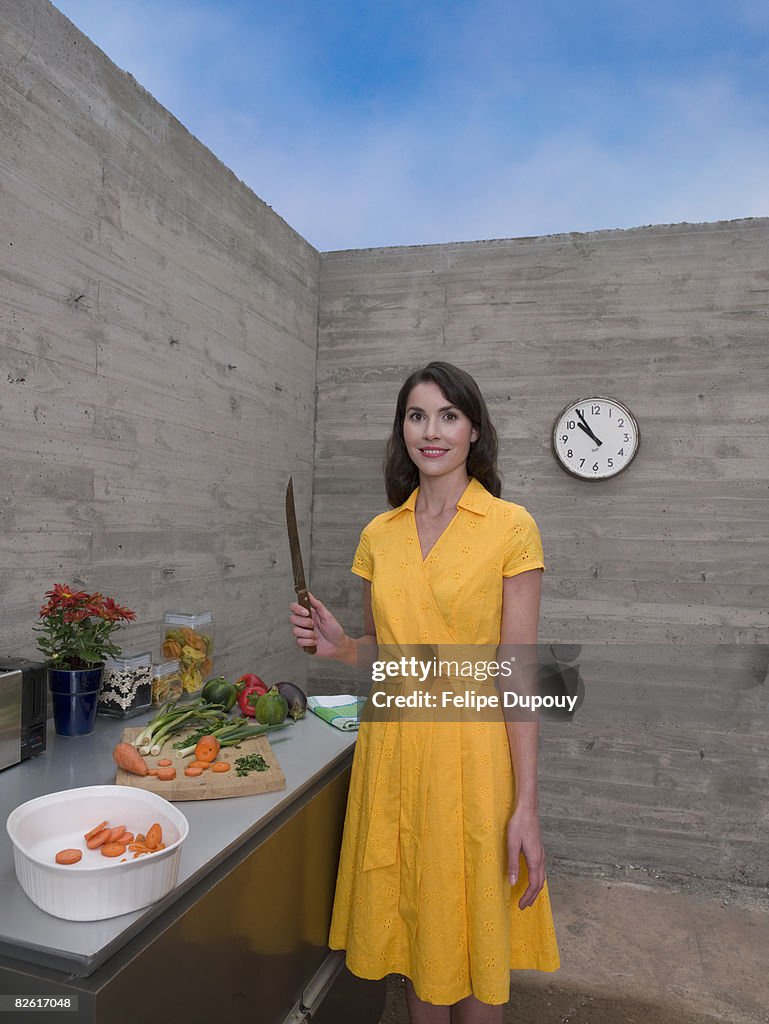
(166, 682)
(189, 639)
(127, 686)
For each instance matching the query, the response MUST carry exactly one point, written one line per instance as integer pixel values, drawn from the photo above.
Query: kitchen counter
(309, 752)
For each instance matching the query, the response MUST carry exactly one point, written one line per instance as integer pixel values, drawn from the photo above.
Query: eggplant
(297, 699)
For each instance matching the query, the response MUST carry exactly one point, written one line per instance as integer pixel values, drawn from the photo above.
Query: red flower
(75, 614)
(64, 596)
(112, 611)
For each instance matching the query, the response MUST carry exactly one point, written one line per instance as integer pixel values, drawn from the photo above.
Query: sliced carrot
(126, 838)
(165, 763)
(68, 856)
(152, 771)
(203, 765)
(154, 836)
(95, 829)
(220, 766)
(116, 833)
(99, 839)
(139, 837)
(112, 850)
(193, 772)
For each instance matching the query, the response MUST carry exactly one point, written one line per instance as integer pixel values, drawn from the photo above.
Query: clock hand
(590, 433)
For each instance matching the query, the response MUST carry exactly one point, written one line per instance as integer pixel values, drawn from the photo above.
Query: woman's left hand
(523, 836)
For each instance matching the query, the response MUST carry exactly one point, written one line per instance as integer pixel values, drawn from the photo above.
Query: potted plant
(75, 635)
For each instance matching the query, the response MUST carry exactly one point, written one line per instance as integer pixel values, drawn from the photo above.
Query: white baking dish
(97, 887)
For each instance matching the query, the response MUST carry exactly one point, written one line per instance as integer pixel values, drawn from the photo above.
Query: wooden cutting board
(209, 785)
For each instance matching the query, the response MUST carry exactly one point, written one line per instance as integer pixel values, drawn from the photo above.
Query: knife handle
(304, 600)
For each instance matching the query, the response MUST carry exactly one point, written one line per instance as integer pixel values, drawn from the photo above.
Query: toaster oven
(23, 710)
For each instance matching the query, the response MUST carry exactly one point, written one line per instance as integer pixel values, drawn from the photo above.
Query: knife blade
(300, 584)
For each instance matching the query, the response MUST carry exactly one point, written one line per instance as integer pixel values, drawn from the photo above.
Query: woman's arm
(330, 639)
(520, 619)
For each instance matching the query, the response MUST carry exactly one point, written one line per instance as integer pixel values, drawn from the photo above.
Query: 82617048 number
(17, 1003)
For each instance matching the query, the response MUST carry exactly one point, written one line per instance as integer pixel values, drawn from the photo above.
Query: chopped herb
(250, 763)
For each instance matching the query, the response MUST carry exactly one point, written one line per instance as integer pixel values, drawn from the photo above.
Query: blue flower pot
(75, 696)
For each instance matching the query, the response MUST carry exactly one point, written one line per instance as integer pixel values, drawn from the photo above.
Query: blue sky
(413, 121)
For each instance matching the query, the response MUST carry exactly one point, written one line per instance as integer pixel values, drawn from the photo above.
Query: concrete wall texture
(169, 345)
(650, 570)
(158, 337)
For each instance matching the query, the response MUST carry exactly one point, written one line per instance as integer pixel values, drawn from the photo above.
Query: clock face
(595, 438)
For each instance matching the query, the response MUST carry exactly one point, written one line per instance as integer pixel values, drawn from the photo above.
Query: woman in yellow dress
(441, 875)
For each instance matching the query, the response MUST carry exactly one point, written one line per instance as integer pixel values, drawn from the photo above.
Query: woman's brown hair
(461, 390)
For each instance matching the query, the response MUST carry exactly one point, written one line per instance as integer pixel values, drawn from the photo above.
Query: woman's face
(437, 433)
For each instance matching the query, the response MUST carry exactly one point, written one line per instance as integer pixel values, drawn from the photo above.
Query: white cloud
(462, 159)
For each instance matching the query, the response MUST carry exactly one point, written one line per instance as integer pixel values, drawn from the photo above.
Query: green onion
(229, 734)
(250, 763)
(172, 718)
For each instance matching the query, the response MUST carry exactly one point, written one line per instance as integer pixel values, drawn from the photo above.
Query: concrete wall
(666, 764)
(157, 344)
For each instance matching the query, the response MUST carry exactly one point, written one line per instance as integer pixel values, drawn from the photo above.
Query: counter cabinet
(243, 935)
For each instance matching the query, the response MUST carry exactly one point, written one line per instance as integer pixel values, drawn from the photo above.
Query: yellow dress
(422, 886)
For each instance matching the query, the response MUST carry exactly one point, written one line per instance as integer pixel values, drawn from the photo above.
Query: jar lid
(188, 618)
(129, 660)
(165, 668)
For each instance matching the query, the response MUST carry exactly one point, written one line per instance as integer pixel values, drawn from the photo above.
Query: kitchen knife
(300, 585)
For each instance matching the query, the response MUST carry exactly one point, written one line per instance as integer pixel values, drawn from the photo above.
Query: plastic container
(190, 639)
(127, 686)
(166, 682)
(97, 887)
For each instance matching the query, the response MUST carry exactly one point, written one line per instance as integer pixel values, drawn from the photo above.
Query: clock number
(571, 424)
(610, 463)
(626, 437)
(620, 422)
(564, 438)
(595, 467)
(569, 454)
(581, 463)
(621, 451)
(595, 410)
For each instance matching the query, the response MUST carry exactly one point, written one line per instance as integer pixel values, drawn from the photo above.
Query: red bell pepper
(249, 685)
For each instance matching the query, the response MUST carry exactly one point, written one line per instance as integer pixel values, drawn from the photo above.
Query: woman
(441, 874)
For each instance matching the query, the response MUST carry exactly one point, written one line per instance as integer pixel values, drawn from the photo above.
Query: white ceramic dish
(97, 887)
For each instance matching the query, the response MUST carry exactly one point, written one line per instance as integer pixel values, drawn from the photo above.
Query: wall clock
(595, 438)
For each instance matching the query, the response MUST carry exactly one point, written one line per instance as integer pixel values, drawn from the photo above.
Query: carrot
(116, 833)
(152, 771)
(129, 759)
(126, 838)
(220, 766)
(99, 839)
(207, 749)
(95, 829)
(68, 856)
(139, 837)
(166, 774)
(154, 836)
(165, 763)
(203, 765)
(113, 850)
(193, 772)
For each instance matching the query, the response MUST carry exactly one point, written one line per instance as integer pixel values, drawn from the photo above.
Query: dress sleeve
(523, 545)
(362, 563)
